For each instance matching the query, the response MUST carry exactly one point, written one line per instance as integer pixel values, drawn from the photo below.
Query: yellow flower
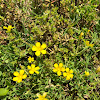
(87, 73)
(19, 76)
(40, 97)
(88, 44)
(81, 34)
(88, 31)
(68, 74)
(91, 45)
(33, 69)
(39, 48)
(30, 59)
(58, 69)
(8, 28)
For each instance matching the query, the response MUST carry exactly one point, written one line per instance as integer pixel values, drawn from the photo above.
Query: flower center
(39, 49)
(20, 76)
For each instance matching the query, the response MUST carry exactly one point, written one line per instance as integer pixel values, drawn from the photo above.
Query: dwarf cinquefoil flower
(68, 74)
(39, 48)
(30, 59)
(81, 34)
(40, 97)
(19, 76)
(33, 69)
(88, 44)
(8, 28)
(87, 73)
(58, 68)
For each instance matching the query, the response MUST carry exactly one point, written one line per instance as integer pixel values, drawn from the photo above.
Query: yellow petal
(37, 72)
(45, 99)
(64, 74)
(91, 45)
(43, 46)
(37, 68)
(67, 78)
(37, 53)
(19, 80)
(55, 65)
(29, 59)
(24, 76)
(87, 43)
(54, 70)
(88, 31)
(15, 78)
(71, 75)
(86, 73)
(67, 69)
(28, 67)
(34, 48)
(32, 65)
(43, 51)
(38, 44)
(10, 27)
(21, 72)
(15, 73)
(32, 59)
(60, 65)
(62, 69)
(44, 94)
(71, 71)
(58, 73)
(82, 33)
(4, 27)
(31, 72)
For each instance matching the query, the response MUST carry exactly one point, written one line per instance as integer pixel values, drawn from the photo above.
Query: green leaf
(0, 73)
(8, 83)
(3, 91)
(1, 17)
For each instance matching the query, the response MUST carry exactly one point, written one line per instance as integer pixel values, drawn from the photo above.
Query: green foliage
(3, 91)
(66, 30)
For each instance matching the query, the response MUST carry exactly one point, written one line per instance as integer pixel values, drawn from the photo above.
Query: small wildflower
(88, 31)
(33, 69)
(30, 59)
(40, 97)
(68, 74)
(8, 28)
(91, 45)
(19, 76)
(58, 69)
(39, 48)
(88, 44)
(87, 73)
(81, 34)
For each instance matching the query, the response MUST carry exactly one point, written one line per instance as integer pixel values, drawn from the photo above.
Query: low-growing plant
(49, 50)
